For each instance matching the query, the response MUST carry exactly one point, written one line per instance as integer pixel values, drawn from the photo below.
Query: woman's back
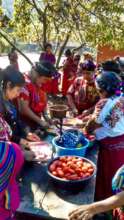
(109, 113)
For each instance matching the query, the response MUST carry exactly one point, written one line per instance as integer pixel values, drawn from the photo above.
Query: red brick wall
(106, 52)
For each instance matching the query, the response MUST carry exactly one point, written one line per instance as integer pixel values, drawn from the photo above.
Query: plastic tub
(62, 151)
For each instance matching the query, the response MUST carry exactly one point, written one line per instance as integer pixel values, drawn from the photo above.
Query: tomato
(63, 159)
(84, 169)
(60, 173)
(86, 175)
(52, 167)
(64, 165)
(81, 174)
(66, 169)
(56, 162)
(85, 164)
(69, 158)
(73, 166)
(69, 163)
(73, 177)
(78, 171)
(89, 165)
(67, 175)
(91, 170)
(79, 163)
(91, 137)
(71, 171)
(79, 160)
(54, 173)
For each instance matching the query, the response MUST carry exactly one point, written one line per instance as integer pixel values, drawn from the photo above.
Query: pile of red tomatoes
(71, 168)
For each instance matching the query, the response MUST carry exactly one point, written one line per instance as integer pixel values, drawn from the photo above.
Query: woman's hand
(29, 155)
(85, 212)
(54, 121)
(84, 114)
(33, 137)
(44, 124)
(75, 112)
(24, 143)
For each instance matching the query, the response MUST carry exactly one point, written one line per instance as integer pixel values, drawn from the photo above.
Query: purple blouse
(48, 57)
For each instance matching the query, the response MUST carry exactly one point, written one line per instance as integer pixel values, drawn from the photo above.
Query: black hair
(11, 51)
(77, 57)
(88, 65)
(44, 68)
(68, 53)
(111, 65)
(48, 45)
(13, 76)
(108, 81)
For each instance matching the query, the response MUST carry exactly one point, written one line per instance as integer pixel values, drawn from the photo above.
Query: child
(51, 86)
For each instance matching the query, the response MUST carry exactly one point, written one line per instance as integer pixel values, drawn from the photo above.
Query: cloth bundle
(72, 139)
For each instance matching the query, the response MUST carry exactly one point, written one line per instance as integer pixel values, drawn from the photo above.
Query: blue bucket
(62, 151)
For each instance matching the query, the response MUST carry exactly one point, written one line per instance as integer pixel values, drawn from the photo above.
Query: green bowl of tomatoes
(71, 172)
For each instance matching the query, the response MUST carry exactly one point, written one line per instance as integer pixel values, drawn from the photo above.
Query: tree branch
(62, 48)
(13, 45)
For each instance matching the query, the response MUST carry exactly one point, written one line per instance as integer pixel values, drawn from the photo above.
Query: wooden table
(40, 197)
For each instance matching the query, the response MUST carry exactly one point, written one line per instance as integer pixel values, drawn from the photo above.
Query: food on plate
(42, 151)
(72, 122)
(71, 168)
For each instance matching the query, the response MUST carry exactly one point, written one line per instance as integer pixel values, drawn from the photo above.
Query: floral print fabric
(109, 113)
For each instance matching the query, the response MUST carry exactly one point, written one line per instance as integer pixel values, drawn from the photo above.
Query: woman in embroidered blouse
(82, 94)
(107, 122)
(87, 212)
(11, 154)
(33, 100)
(11, 161)
(10, 86)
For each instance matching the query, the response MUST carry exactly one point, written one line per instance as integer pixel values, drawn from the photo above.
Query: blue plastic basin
(62, 151)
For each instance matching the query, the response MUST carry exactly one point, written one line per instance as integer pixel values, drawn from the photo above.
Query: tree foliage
(84, 21)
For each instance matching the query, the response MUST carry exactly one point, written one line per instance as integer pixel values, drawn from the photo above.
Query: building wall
(106, 52)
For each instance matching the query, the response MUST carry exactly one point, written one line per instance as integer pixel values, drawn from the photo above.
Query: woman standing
(13, 58)
(82, 94)
(51, 86)
(107, 122)
(69, 72)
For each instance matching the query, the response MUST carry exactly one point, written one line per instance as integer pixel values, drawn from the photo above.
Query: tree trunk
(13, 45)
(57, 47)
(62, 49)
